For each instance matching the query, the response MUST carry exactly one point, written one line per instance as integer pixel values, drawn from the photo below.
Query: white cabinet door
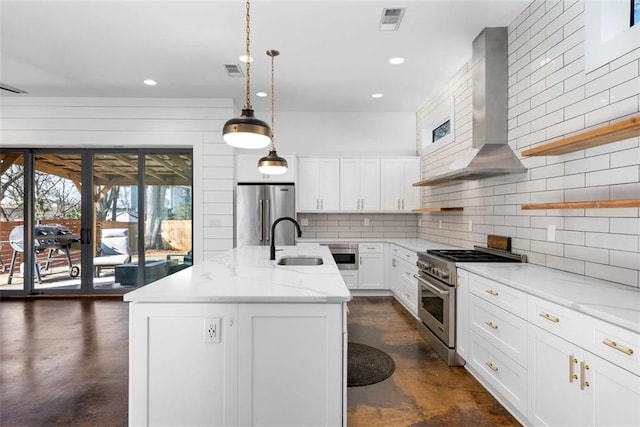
(462, 312)
(176, 377)
(290, 365)
(247, 169)
(350, 278)
(318, 184)
(371, 271)
(554, 390)
(360, 184)
(397, 177)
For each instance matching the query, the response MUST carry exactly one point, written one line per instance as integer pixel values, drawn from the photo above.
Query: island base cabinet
(175, 377)
(571, 386)
(268, 364)
(290, 365)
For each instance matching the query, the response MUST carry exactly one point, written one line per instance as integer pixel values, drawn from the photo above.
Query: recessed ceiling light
(261, 94)
(243, 58)
(150, 82)
(376, 95)
(396, 60)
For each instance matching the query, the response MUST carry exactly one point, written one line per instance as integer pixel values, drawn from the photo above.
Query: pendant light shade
(247, 131)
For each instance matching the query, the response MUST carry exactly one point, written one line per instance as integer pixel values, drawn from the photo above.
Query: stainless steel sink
(300, 260)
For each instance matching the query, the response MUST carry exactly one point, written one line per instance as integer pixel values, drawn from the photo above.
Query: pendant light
(272, 164)
(247, 131)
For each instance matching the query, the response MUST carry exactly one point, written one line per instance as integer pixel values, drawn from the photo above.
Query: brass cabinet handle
(614, 345)
(572, 375)
(491, 366)
(549, 317)
(491, 324)
(583, 383)
(491, 292)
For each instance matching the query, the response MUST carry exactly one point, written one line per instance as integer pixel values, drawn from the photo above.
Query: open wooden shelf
(599, 204)
(425, 210)
(593, 138)
(428, 182)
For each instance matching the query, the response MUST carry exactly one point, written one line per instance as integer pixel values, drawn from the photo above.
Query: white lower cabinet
(350, 278)
(403, 283)
(544, 361)
(268, 364)
(571, 386)
(371, 266)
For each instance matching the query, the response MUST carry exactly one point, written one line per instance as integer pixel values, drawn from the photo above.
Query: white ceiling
(333, 57)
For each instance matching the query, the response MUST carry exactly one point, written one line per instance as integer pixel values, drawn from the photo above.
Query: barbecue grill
(49, 239)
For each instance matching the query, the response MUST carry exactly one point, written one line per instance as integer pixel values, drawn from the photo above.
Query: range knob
(444, 274)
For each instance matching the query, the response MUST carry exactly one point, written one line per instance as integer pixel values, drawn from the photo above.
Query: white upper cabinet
(247, 169)
(318, 186)
(360, 184)
(396, 190)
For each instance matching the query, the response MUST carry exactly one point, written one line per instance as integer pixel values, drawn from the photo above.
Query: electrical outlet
(420, 222)
(212, 330)
(440, 223)
(304, 222)
(366, 222)
(470, 225)
(551, 233)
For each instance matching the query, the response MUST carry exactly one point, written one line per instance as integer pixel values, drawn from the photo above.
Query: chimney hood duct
(491, 155)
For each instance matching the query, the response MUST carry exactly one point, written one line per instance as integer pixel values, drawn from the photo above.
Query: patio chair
(114, 249)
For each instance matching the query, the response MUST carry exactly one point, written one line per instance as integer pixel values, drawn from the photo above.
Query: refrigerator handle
(261, 219)
(268, 218)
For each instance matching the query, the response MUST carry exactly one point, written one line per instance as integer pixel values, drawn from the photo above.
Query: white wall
(346, 134)
(29, 122)
(549, 99)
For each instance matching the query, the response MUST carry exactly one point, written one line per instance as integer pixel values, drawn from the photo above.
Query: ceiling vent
(391, 18)
(233, 70)
(11, 88)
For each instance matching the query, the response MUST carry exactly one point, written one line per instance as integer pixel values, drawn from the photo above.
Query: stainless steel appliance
(437, 294)
(345, 255)
(257, 207)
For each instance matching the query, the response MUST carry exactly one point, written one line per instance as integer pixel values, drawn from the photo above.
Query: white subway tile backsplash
(553, 92)
(583, 194)
(625, 90)
(587, 224)
(625, 191)
(612, 111)
(548, 171)
(565, 264)
(614, 176)
(570, 57)
(625, 259)
(567, 181)
(613, 78)
(622, 242)
(547, 120)
(625, 225)
(616, 274)
(625, 158)
(589, 164)
(548, 248)
(585, 253)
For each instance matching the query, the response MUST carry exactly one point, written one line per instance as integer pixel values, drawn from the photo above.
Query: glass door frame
(87, 217)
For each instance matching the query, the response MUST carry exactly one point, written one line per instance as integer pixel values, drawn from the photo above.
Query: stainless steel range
(437, 293)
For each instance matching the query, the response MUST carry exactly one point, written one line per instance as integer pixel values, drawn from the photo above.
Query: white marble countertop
(246, 275)
(608, 301)
(416, 245)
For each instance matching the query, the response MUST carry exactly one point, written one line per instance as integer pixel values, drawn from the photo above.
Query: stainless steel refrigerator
(257, 206)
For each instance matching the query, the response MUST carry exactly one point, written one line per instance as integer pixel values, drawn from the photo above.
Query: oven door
(436, 308)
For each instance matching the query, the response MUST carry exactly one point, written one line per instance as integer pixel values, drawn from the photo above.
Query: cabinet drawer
(405, 254)
(407, 293)
(617, 345)
(499, 371)
(371, 248)
(505, 331)
(407, 271)
(558, 320)
(503, 296)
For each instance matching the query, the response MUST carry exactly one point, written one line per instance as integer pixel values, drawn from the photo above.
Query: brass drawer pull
(572, 361)
(491, 324)
(491, 366)
(549, 317)
(491, 292)
(614, 345)
(583, 383)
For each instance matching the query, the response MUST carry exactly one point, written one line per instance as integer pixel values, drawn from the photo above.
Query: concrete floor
(65, 362)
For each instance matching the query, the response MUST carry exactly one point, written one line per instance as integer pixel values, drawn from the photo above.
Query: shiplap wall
(550, 96)
(29, 122)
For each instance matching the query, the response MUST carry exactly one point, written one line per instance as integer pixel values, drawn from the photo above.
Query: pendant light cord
(248, 81)
(273, 100)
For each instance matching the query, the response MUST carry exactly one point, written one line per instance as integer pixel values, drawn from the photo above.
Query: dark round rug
(367, 365)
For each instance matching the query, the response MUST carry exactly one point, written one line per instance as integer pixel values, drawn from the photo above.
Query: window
(441, 131)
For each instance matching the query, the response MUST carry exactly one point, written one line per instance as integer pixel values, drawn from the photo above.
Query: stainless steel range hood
(491, 155)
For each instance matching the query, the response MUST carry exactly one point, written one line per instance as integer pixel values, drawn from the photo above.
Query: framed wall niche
(437, 128)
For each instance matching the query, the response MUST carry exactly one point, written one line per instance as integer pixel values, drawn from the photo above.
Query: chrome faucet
(272, 249)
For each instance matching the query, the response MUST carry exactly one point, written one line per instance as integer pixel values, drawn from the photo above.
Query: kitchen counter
(608, 301)
(247, 275)
(415, 245)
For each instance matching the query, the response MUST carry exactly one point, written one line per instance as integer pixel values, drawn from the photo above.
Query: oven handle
(430, 286)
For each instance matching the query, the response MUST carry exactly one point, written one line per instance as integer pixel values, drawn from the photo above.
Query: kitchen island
(240, 340)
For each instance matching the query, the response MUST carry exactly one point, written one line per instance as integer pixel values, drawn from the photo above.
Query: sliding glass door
(84, 221)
